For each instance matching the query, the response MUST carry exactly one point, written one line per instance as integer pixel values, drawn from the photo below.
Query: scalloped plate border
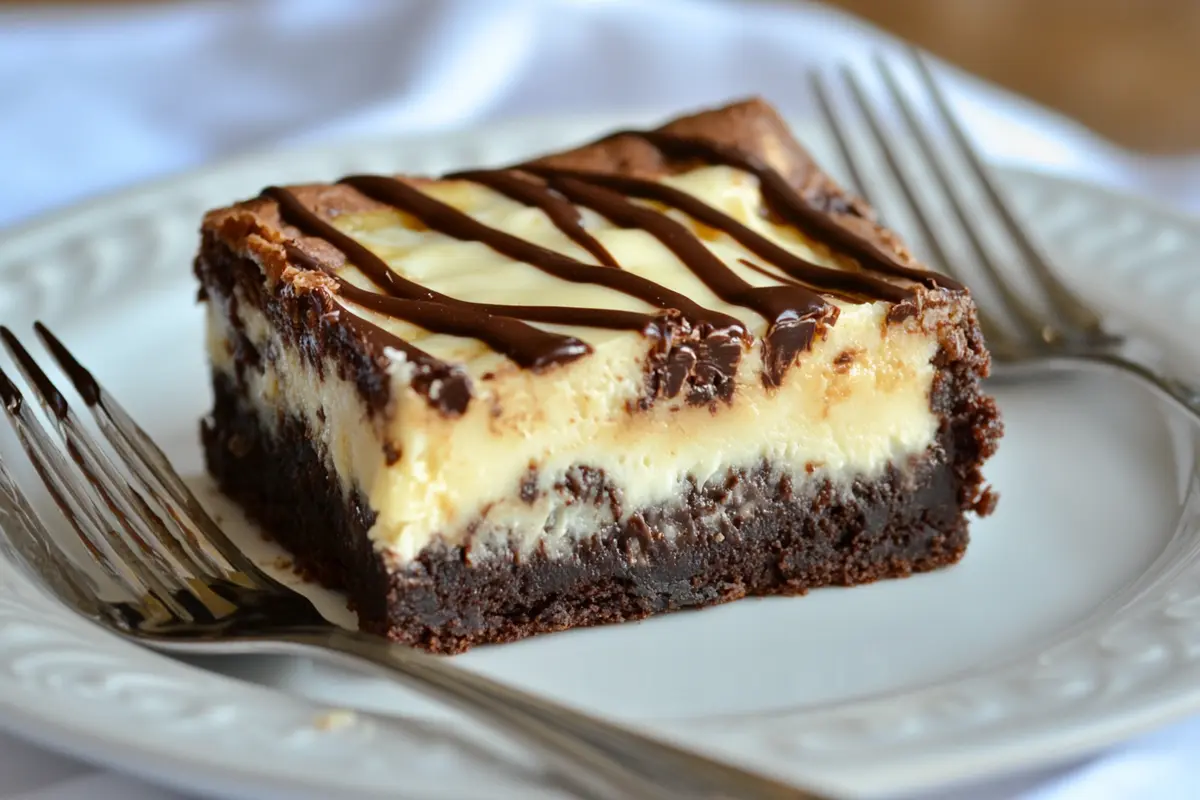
(1134, 664)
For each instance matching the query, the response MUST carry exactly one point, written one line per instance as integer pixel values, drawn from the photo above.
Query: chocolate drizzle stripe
(454, 388)
(542, 350)
(761, 270)
(613, 319)
(609, 318)
(448, 220)
(378, 335)
(296, 214)
(562, 213)
(528, 346)
(791, 310)
(789, 205)
(697, 347)
(813, 275)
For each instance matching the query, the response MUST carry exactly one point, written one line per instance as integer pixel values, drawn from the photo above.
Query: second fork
(1054, 330)
(173, 581)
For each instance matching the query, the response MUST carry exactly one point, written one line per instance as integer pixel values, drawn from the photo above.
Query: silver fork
(1055, 330)
(169, 579)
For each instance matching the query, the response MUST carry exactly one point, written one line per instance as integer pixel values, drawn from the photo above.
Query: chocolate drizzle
(562, 213)
(697, 348)
(792, 311)
(790, 206)
(528, 346)
(448, 220)
(814, 275)
(446, 386)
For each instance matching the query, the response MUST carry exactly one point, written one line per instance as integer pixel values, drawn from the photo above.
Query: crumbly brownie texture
(275, 276)
(769, 541)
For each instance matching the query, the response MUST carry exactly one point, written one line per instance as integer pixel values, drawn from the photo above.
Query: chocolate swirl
(558, 209)
(447, 219)
(528, 346)
(699, 348)
(792, 311)
(858, 284)
(445, 386)
(787, 204)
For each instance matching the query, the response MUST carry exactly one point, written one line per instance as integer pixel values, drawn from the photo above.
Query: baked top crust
(752, 126)
(812, 248)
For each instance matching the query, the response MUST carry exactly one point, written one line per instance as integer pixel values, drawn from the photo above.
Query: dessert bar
(666, 369)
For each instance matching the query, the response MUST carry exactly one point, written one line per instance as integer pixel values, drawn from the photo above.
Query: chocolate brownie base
(772, 539)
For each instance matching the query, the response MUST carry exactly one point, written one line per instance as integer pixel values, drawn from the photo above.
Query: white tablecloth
(94, 99)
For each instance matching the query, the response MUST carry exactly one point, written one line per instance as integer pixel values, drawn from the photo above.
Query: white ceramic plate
(1073, 621)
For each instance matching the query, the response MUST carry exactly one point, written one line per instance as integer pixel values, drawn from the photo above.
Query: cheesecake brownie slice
(667, 369)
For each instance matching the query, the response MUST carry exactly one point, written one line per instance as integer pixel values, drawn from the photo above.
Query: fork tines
(139, 522)
(862, 125)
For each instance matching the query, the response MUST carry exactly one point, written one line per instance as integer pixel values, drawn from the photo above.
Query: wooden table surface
(1129, 69)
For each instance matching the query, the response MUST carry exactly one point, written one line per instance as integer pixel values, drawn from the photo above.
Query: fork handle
(1176, 393)
(599, 758)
